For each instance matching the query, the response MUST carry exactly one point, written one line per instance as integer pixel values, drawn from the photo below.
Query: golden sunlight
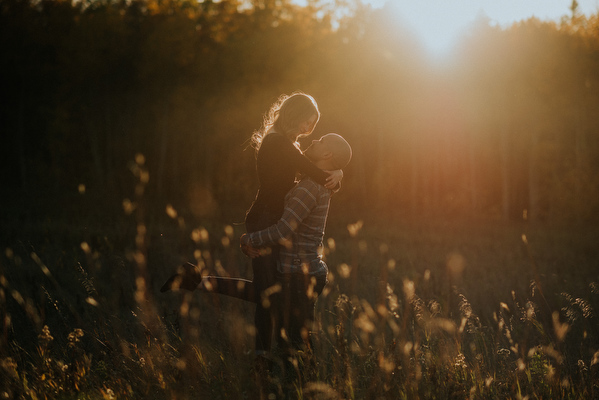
(438, 24)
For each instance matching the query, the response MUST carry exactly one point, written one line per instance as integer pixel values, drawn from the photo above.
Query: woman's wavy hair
(286, 115)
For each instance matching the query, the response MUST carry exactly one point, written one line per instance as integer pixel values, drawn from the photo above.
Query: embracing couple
(285, 227)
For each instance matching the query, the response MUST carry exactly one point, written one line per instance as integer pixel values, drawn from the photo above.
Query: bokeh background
(504, 122)
(462, 246)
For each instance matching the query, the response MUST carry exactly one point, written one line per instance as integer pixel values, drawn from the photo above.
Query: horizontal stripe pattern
(300, 230)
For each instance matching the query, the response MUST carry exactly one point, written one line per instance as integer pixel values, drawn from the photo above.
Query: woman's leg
(239, 288)
(188, 277)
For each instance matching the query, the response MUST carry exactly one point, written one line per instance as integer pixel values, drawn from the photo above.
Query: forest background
(507, 123)
(462, 245)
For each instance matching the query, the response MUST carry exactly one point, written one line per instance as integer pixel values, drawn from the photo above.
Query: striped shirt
(300, 230)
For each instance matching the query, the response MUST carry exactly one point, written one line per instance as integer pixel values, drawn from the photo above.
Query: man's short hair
(342, 152)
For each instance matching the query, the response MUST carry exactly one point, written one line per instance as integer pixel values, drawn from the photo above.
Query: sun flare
(438, 25)
(435, 25)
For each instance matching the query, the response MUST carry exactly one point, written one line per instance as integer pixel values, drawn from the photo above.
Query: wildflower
(45, 338)
(75, 336)
(587, 310)
(434, 307)
(530, 312)
(355, 228)
(319, 390)
(108, 394)
(560, 329)
(386, 365)
(344, 270)
(10, 367)
(469, 319)
(393, 300)
(419, 308)
(364, 323)
(503, 352)
(408, 288)
(550, 371)
(460, 361)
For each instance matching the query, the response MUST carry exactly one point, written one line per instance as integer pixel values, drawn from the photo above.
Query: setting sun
(438, 24)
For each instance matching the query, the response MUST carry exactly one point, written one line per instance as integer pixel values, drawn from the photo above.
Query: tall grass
(441, 311)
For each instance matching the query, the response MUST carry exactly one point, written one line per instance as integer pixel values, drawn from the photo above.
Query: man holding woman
(278, 160)
(299, 232)
(287, 218)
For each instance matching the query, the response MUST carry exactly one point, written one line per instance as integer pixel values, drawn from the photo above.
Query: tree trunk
(580, 149)
(473, 175)
(94, 137)
(533, 179)
(163, 151)
(414, 182)
(20, 140)
(505, 172)
(435, 196)
(108, 128)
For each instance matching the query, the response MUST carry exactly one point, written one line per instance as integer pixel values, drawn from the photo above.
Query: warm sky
(438, 22)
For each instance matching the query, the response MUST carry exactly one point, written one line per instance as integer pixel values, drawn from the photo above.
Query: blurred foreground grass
(415, 311)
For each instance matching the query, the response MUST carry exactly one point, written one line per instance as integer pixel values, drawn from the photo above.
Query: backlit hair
(286, 115)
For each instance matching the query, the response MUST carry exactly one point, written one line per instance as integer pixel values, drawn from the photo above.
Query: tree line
(508, 125)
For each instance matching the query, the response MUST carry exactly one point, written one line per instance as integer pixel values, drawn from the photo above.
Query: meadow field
(492, 303)
(413, 310)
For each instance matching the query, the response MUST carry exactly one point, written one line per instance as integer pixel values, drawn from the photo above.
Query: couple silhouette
(285, 227)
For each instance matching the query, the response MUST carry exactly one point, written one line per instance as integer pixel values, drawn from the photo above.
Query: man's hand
(334, 179)
(247, 249)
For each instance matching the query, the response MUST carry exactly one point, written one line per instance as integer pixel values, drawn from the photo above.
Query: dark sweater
(277, 163)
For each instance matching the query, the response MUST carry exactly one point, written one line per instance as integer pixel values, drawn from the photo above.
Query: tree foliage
(509, 125)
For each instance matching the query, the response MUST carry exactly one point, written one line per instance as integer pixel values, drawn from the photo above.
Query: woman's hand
(334, 179)
(247, 249)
